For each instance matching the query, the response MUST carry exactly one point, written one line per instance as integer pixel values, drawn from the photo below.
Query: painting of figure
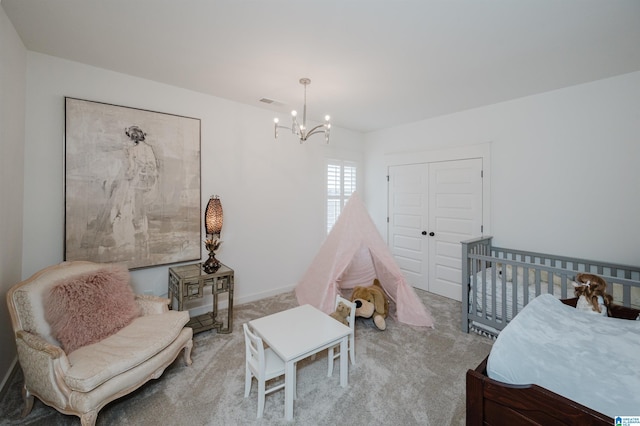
(132, 185)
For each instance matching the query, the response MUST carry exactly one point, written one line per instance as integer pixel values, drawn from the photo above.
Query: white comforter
(588, 358)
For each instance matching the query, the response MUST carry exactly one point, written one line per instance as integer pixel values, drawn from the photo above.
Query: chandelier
(301, 130)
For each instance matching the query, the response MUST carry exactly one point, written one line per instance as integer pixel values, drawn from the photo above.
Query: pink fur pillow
(86, 308)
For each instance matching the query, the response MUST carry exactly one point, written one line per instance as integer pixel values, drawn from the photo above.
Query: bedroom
(563, 168)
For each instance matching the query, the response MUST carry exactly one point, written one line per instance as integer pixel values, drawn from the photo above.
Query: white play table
(300, 332)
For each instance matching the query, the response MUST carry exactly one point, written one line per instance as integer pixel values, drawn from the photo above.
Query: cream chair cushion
(94, 364)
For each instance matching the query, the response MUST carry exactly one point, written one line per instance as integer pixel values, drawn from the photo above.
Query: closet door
(432, 207)
(408, 217)
(455, 215)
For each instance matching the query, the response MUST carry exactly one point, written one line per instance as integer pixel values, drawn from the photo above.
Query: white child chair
(334, 350)
(263, 364)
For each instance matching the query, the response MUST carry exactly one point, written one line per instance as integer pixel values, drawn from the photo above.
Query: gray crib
(498, 282)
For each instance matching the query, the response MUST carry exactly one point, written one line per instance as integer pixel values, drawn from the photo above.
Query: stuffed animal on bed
(372, 302)
(591, 291)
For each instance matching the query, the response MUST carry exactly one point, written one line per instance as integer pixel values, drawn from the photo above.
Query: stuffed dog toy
(341, 313)
(591, 291)
(371, 302)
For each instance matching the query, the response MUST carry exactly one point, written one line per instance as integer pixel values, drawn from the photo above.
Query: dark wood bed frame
(490, 402)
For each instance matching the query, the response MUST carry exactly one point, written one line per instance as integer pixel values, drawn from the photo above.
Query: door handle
(424, 232)
(431, 234)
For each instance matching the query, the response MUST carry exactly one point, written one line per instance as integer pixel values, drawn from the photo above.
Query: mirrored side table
(187, 282)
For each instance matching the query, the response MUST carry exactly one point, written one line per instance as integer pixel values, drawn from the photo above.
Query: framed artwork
(132, 185)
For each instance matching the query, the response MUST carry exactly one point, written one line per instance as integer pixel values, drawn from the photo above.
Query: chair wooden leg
(352, 350)
(330, 357)
(247, 382)
(187, 353)
(28, 401)
(261, 389)
(89, 418)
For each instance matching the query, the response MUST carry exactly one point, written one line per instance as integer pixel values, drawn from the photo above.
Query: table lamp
(213, 226)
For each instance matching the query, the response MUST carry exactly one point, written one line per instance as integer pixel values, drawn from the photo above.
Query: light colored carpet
(402, 376)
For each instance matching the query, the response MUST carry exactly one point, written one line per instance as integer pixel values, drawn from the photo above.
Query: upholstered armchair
(84, 338)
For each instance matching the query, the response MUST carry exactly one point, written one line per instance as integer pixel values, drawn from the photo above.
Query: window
(341, 183)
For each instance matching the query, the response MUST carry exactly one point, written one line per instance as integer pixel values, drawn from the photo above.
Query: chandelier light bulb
(275, 120)
(327, 118)
(294, 113)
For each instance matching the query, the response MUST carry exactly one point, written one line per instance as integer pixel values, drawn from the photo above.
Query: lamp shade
(213, 216)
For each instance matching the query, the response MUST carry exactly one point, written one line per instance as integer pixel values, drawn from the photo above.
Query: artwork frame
(132, 184)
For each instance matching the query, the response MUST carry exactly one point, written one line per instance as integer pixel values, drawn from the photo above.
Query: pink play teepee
(354, 254)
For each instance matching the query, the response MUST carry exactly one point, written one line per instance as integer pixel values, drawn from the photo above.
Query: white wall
(13, 65)
(564, 167)
(272, 192)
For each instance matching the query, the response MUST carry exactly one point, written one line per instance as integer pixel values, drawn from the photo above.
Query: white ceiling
(373, 63)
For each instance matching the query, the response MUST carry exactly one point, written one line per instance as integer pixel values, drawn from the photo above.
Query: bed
(553, 365)
(497, 283)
